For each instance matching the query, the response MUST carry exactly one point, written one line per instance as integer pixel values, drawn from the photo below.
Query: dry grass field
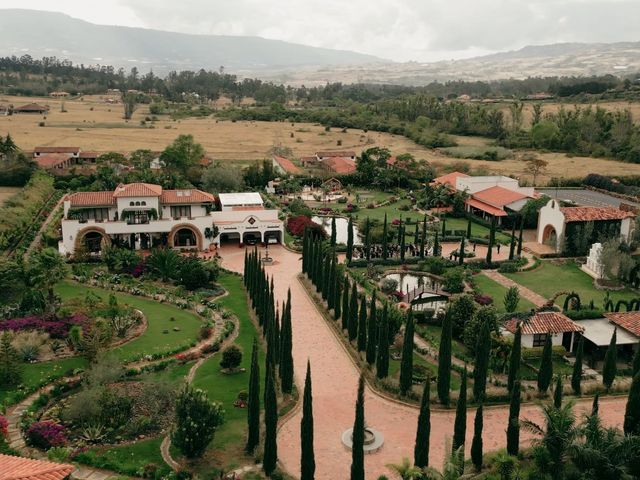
(7, 192)
(91, 124)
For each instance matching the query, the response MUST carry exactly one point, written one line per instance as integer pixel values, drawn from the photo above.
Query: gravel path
(533, 297)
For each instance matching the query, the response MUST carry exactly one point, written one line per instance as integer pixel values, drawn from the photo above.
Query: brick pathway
(335, 379)
(533, 297)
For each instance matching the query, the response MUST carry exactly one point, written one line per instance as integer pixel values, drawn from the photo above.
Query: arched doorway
(549, 236)
(93, 239)
(185, 236)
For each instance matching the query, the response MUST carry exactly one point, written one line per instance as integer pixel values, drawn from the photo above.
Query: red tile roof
(286, 164)
(630, 321)
(137, 190)
(91, 199)
(449, 178)
(56, 149)
(594, 214)
(51, 160)
(544, 322)
(89, 154)
(343, 153)
(186, 196)
(31, 107)
(340, 165)
(485, 207)
(17, 468)
(498, 196)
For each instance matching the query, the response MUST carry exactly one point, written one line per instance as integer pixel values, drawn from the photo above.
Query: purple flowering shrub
(56, 328)
(483, 299)
(46, 434)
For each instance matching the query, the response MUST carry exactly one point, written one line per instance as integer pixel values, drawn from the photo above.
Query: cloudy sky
(400, 30)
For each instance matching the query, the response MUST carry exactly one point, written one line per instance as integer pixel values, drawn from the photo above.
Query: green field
(393, 212)
(477, 230)
(497, 292)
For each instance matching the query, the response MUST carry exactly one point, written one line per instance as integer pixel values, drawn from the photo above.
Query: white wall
(556, 340)
(550, 214)
(123, 203)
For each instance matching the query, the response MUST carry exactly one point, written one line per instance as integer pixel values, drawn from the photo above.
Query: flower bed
(56, 328)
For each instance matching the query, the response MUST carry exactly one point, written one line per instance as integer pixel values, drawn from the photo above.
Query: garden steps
(533, 297)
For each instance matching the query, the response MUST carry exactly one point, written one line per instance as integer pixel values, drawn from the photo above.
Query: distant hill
(40, 33)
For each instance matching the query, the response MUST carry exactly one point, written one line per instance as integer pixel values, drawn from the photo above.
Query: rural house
(31, 108)
(538, 326)
(284, 166)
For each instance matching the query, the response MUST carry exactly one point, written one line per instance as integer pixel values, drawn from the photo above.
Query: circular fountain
(373, 439)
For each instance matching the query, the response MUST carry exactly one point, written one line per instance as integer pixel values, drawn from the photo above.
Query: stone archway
(93, 238)
(182, 235)
(550, 236)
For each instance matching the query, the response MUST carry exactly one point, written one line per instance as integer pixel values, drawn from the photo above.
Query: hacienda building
(141, 216)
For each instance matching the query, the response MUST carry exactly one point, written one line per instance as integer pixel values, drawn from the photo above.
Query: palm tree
(46, 268)
(164, 263)
(405, 471)
(452, 467)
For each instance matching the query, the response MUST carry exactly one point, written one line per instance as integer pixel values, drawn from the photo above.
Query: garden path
(43, 227)
(335, 379)
(533, 297)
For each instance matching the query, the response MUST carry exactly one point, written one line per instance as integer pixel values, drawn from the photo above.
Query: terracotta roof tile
(286, 164)
(545, 322)
(57, 149)
(89, 154)
(340, 165)
(342, 153)
(589, 214)
(91, 199)
(51, 160)
(31, 107)
(186, 196)
(498, 196)
(630, 321)
(137, 190)
(449, 178)
(17, 468)
(485, 207)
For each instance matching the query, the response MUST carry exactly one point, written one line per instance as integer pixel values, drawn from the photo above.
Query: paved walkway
(335, 379)
(533, 297)
(43, 227)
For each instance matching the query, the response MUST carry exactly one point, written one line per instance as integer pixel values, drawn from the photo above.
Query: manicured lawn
(551, 278)
(497, 292)
(127, 459)
(434, 333)
(152, 341)
(477, 230)
(393, 212)
(394, 370)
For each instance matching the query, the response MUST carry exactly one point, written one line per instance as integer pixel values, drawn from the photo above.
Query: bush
(297, 225)
(584, 314)
(231, 357)
(46, 434)
(508, 267)
(454, 280)
(197, 420)
(193, 274)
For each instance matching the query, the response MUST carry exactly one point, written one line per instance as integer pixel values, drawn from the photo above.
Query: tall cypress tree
(286, 354)
(382, 358)
(307, 457)
(372, 331)
(492, 230)
(350, 240)
(557, 392)
(512, 244)
(460, 422)
(326, 277)
(353, 313)
(403, 244)
(334, 232)
(436, 246)
(423, 432)
(337, 307)
(483, 348)
(270, 456)
(406, 364)
(576, 374)
(632, 410)
(635, 364)
(385, 234)
(514, 359)
(609, 369)
(416, 235)
(513, 426)
(362, 325)
(469, 229)
(357, 449)
(476, 443)
(461, 253)
(311, 259)
(444, 361)
(333, 280)
(345, 304)
(444, 227)
(423, 237)
(253, 402)
(545, 374)
(520, 236)
(367, 239)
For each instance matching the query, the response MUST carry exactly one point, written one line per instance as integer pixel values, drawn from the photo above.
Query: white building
(143, 216)
(540, 325)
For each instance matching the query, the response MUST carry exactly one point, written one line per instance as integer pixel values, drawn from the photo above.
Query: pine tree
(557, 392)
(382, 358)
(476, 443)
(513, 427)
(469, 229)
(520, 237)
(307, 458)
(481, 370)
(286, 355)
(423, 432)
(362, 325)
(460, 422)
(385, 234)
(345, 304)
(545, 374)
(609, 369)
(357, 449)
(576, 375)
(372, 331)
(514, 359)
(353, 313)
(350, 240)
(512, 243)
(632, 411)
(270, 456)
(253, 403)
(444, 361)
(406, 365)
(334, 232)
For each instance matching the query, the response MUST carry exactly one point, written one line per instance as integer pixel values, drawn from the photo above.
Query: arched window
(137, 204)
(131, 204)
(143, 203)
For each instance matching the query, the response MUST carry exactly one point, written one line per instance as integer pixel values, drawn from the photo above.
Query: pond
(342, 225)
(410, 281)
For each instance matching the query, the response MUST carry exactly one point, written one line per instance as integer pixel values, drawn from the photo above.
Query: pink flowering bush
(46, 434)
(4, 428)
(56, 328)
(483, 299)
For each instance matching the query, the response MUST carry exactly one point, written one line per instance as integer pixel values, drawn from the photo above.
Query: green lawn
(393, 212)
(497, 292)
(127, 459)
(152, 341)
(551, 278)
(477, 230)
(394, 369)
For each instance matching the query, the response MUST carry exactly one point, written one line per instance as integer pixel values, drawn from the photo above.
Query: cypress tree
(557, 392)
(483, 348)
(476, 443)
(632, 411)
(514, 359)
(307, 457)
(367, 239)
(513, 427)
(423, 432)
(345, 304)
(489, 257)
(444, 361)
(357, 449)
(423, 237)
(576, 375)
(609, 369)
(372, 330)
(461, 253)
(334, 232)
(311, 261)
(406, 365)
(460, 422)
(270, 456)
(512, 244)
(326, 277)
(333, 280)
(350, 240)
(382, 358)
(520, 237)
(403, 243)
(337, 306)
(253, 401)
(469, 229)
(635, 365)
(444, 228)
(416, 235)
(319, 268)
(353, 313)
(362, 325)
(436, 246)
(594, 404)
(286, 360)
(545, 374)
(385, 234)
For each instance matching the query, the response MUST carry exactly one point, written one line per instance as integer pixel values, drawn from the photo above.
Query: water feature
(407, 282)
(342, 225)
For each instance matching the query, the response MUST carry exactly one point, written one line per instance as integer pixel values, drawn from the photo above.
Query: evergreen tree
(444, 361)
(512, 243)
(337, 307)
(385, 234)
(481, 370)
(576, 375)
(333, 280)
(350, 240)
(403, 245)
(362, 325)
(406, 365)
(635, 365)
(382, 359)
(253, 403)
(515, 358)
(492, 231)
(357, 449)
(334, 232)
(286, 355)
(326, 277)
(416, 235)
(632, 411)
(367, 238)
(557, 392)
(423, 237)
(520, 237)
(460, 422)
(594, 405)
(270, 456)
(444, 227)
(476, 443)
(307, 458)
(353, 313)
(423, 432)
(513, 427)
(545, 374)
(372, 331)
(10, 371)
(469, 229)
(436, 246)
(345, 304)
(609, 369)
(461, 252)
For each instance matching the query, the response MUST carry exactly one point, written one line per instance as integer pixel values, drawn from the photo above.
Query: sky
(398, 30)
